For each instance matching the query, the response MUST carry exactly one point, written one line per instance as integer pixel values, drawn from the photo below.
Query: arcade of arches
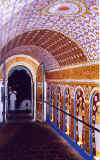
(49, 54)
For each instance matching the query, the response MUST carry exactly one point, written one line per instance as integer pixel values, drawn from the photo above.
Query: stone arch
(58, 105)
(79, 113)
(95, 121)
(67, 108)
(15, 61)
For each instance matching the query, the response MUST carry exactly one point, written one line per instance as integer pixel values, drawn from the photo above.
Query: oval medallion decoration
(66, 8)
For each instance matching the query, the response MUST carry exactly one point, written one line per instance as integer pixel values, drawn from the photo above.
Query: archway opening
(20, 80)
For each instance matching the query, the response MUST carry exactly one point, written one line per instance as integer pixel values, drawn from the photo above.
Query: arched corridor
(20, 80)
(49, 74)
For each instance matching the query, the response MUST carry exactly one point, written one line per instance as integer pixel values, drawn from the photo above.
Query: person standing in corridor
(12, 98)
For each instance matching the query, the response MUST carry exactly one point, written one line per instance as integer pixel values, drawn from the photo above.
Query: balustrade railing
(58, 116)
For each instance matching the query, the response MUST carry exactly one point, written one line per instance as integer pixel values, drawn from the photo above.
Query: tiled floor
(33, 141)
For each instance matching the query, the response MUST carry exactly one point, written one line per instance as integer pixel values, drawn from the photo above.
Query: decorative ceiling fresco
(67, 30)
(50, 47)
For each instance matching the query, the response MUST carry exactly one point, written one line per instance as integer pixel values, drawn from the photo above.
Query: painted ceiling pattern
(76, 19)
(50, 47)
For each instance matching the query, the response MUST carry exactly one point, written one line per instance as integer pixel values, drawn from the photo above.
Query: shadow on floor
(34, 141)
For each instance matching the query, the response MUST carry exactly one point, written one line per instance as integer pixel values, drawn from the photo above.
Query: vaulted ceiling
(58, 32)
